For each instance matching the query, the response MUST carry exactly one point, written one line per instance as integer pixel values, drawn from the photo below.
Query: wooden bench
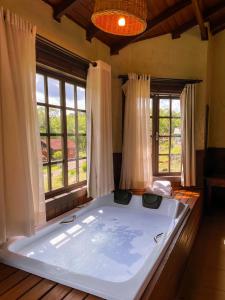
(164, 285)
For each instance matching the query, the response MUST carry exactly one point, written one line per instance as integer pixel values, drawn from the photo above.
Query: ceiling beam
(91, 32)
(184, 27)
(62, 9)
(166, 14)
(210, 12)
(200, 20)
(218, 27)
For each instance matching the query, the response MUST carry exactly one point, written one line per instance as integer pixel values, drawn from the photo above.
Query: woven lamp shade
(120, 17)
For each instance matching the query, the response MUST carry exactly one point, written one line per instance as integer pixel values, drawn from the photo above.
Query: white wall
(186, 57)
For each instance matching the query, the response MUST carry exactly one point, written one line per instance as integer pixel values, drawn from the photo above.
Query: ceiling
(164, 16)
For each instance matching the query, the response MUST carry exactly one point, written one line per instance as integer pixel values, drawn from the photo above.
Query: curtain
(22, 204)
(100, 179)
(137, 154)
(188, 176)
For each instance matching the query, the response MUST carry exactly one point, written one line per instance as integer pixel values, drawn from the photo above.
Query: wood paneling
(166, 280)
(215, 162)
(164, 16)
(60, 205)
(117, 164)
(53, 56)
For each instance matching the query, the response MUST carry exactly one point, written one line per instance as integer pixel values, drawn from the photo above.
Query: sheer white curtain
(188, 176)
(137, 153)
(21, 188)
(99, 131)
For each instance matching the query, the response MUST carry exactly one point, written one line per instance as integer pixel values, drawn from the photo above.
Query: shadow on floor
(204, 278)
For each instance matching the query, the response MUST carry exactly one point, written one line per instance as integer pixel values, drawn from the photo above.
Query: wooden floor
(17, 284)
(204, 278)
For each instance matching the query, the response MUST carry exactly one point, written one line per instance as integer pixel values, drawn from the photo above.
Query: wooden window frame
(63, 78)
(155, 133)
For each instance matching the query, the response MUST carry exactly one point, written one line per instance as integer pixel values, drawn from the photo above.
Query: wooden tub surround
(18, 284)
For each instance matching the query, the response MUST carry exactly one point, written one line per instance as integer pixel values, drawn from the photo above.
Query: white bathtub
(109, 250)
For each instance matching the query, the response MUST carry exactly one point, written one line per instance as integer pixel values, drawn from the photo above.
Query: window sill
(172, 178)
(81, 190)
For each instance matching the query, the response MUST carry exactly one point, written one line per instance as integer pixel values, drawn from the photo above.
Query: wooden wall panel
(166, 281)
(58, 206)
(215, 162)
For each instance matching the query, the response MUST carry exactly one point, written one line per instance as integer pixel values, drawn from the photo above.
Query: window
(166, 134)
(62, 122)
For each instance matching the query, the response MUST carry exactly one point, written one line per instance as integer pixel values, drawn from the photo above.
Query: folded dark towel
(122, 197)
(151, 201)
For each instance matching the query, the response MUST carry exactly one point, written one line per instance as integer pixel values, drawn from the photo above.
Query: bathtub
(106, 249)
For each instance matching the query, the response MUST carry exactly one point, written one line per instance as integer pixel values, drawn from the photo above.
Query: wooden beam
(91, 32)
(218, 27)
(62, 9)
(206, 16)
(200, 20)
(184, 27)
(166, 14)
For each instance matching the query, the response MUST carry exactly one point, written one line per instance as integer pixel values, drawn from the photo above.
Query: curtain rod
(85, 60)
(155, 79)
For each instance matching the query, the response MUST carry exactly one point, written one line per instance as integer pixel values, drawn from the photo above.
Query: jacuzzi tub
(106, 249)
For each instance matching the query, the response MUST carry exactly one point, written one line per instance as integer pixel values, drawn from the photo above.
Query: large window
(166, 134)
(62, 122)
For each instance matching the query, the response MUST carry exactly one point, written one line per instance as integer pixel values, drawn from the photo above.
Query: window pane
(46, 175)
(72, 174)
(175, 145)
(163, 145)
(82, 170)
(176, 108)
(151, 107)
(164, 126)
(53, 91)
(55, 120)
(40, 88)
(57, 176)
(163, 163)
(82, 146)
(164, 107)
(176, 126)
(70, 121)
(151, 126)
(81, 98)
(56, 145)
(175, 163)
(71, 147)
(69, 88)
(81, 122)
(42, 119)
(44, 149)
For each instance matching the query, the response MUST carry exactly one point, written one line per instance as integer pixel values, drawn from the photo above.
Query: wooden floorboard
(57, 293)
(6, 271)
(12, 280)
(21, 288)
(16, 284)
(39, 290)
(204, 278)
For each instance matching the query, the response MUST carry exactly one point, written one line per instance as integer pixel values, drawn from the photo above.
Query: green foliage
(84, 166)
(42, 119)
(57, 155)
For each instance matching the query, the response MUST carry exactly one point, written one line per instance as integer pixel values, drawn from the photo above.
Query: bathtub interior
(109, 242)
(107, 249)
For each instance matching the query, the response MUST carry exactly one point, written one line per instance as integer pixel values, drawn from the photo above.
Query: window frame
(63, 79)
(155, 132)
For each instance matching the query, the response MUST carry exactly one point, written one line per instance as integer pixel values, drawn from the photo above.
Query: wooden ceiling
(164, 16)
